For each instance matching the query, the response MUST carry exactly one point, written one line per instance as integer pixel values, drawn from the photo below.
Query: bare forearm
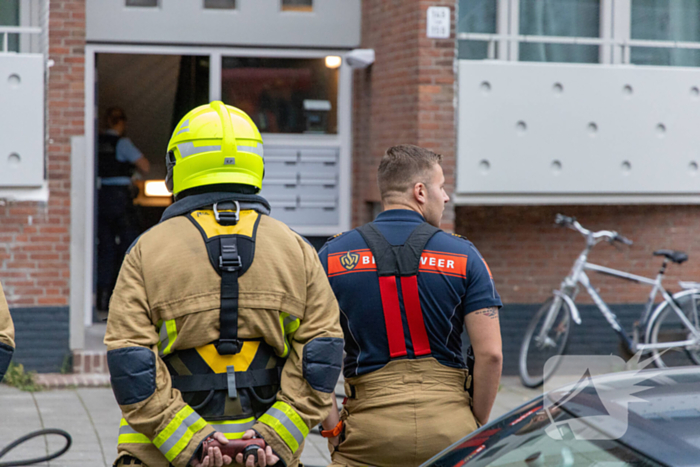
(331, 421)
(485, 335)
(487, 376)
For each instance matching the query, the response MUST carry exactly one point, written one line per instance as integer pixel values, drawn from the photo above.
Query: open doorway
(139, 100)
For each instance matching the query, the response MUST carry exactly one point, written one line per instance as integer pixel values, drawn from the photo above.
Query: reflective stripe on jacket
(167, 299)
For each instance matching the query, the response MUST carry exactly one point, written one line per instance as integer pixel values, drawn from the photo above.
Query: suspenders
(394, 264)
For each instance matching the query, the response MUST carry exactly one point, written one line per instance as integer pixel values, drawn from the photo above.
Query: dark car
(645, 418)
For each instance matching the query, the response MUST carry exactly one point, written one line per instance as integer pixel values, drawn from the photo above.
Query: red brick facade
(407, 96)
(529, 256)
(35, 237)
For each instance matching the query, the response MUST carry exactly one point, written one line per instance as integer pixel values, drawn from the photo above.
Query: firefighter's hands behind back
(214, 458)
(265, 456)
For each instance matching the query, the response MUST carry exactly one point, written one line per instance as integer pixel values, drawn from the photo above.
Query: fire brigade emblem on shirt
(349, 260)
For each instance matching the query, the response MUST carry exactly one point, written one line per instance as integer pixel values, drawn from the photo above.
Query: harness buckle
(230, 264)
(229, 260)
(227, 218)
(228, 346)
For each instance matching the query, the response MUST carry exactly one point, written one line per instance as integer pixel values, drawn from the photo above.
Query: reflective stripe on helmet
(188, 149)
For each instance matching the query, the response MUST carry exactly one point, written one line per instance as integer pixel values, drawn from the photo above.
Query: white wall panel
(333, 23)
(21, 120)
(565, 129)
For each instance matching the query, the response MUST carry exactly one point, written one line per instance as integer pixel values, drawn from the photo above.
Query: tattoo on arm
(491, 312)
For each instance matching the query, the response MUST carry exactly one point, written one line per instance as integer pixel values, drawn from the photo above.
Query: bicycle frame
(569, 290)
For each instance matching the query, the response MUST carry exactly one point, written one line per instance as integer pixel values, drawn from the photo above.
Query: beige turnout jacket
(167, 281)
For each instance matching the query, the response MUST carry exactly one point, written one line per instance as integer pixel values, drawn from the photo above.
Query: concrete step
(62, 381)
(89, 362)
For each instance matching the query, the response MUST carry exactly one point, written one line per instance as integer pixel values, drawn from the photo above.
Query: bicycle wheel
(668, 327)
(534, 351)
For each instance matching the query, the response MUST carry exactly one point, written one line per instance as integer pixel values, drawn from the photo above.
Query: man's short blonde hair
(403, 166)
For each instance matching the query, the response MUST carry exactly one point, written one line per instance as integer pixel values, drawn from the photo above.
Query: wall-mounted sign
(438, 22)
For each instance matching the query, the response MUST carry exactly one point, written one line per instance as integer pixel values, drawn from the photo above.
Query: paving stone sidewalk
(92, 416)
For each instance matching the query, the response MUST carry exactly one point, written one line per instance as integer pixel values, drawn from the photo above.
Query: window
(283, 95)
(666, 20)
(564, 18)
(476, 17)
(220, 4)
(490, 29)
(297, 5)
(9, 16)
(142, 3)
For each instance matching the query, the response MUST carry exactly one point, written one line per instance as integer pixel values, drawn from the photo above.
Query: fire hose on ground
(36, 460)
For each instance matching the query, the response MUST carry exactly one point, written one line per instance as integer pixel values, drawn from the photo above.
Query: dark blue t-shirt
(453, 280)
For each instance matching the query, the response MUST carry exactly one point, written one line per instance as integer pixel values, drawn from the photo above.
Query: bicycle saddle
(677, 257)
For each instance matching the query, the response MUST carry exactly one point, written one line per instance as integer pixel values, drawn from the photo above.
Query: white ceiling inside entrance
(144, 86)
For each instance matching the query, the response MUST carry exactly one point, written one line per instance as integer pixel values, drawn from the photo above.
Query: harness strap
(397, 260)
(402, 261)
(414, 316)
(392, 316)
(230, 266)
(219, 381)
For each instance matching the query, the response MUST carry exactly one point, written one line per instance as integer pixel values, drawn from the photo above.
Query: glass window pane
(571, 18)
(666, 20)
(220, 4)
(475, 16)
(147, 3)
(9, 16)
(283, 95)
(297, 5)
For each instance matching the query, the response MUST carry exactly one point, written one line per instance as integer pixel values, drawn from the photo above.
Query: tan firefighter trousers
(403, 414)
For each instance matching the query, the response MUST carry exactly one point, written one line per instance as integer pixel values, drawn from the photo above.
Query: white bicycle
(669, 331)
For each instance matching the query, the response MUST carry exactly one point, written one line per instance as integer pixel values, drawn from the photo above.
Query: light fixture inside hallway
(333, 61)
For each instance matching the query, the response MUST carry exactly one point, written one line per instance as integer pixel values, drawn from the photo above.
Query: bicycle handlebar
(611, 235)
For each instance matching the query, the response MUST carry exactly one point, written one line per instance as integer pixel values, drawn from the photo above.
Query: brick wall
(529, 256)
(407, 96)
(34, 237)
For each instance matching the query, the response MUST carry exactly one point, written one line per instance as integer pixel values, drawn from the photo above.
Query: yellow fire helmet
(214, 144)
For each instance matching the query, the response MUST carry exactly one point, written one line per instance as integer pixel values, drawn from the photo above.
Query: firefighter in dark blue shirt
(405, 290)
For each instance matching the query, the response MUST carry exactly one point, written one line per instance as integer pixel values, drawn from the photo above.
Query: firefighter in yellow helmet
(222, 324)
(7, 335)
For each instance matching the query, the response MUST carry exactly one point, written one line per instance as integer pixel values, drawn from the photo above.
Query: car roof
(660, 410)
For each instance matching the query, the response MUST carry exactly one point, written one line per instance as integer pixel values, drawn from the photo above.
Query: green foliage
(17, 377)
(67, 366)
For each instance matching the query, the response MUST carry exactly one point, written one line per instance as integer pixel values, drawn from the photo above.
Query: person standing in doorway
(117, 227)
(406, 289)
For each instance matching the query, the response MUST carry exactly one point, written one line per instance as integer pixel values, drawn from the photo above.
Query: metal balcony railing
(625, 44)
(5, 32)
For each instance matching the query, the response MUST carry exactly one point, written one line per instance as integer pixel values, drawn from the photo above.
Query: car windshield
(523, 439)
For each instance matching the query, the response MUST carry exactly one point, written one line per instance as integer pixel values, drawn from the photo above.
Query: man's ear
(420, 193)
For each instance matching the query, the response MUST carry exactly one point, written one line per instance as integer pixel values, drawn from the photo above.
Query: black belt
(220, 381)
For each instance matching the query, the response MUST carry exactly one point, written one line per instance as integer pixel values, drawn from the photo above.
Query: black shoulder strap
(230, 267)
(382, 250)
(402, 260)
